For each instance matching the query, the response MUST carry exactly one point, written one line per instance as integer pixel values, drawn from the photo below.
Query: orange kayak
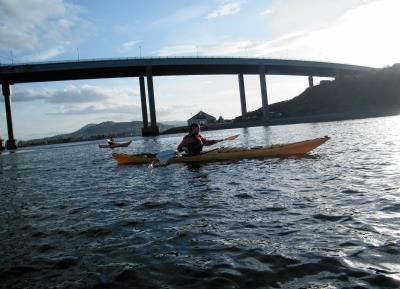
(280, 150)
(115, 145)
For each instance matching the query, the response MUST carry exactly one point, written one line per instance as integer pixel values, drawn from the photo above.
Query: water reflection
(193, 167)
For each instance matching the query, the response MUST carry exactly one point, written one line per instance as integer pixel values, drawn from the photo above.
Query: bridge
(149, 67)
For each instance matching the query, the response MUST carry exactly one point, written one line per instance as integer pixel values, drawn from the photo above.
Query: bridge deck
(134, 67)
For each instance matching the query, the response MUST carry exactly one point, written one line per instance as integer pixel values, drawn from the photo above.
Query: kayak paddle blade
(232, 137)
(164, 156)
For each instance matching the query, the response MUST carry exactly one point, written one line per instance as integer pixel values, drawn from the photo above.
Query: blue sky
(348, 31)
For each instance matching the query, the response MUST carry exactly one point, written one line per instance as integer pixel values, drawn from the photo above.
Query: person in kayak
(111, 141)
(192, 143)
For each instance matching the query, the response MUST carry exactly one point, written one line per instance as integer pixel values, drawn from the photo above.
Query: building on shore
(202, 118)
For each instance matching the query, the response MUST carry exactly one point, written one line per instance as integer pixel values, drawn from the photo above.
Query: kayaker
(193, 142)
(110, 141)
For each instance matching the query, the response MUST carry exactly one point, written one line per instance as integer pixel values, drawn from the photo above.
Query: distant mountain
(96, 131)
(374, 93)
(107, 129)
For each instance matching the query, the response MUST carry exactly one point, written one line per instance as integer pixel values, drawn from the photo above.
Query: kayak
(115, 145)
(231, 153)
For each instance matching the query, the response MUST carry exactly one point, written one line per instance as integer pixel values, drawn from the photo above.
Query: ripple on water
(79, 221)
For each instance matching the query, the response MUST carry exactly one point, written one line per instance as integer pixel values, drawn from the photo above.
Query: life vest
(196, 146)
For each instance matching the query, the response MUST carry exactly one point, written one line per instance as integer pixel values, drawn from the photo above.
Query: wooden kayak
(115, 145)
(280, 150)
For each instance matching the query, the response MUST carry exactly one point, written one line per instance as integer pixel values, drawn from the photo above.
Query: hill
(95, 131)
(374, 93)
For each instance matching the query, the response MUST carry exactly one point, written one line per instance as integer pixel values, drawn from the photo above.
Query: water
(71, 218)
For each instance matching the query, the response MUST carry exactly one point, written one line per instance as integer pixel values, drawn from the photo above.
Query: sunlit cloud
(184, 49)
(226, 48)
(267, 12)
(225, 9)
(231, 48)
(129, 46)
(279, 44)
(45, 54)
(353, 38)
(182, 15)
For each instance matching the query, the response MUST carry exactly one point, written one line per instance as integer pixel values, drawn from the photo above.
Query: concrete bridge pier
(143, 100)
(310, 81)
(264, 95)
(242, 96)
(10, 143)
(152, 130)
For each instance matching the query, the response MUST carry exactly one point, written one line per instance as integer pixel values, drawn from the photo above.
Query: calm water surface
(71, 218)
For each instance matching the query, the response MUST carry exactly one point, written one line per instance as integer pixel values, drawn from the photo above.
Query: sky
(360, 32)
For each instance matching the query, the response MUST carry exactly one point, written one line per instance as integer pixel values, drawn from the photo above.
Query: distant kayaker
(193, 142)
(110, 141)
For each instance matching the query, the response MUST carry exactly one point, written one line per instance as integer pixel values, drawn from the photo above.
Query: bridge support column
(144, 104)
(10, 143)
(153, 129)
(242, 96)
(310, 81)
(264, 96)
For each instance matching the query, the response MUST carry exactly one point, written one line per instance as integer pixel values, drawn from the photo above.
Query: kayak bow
(280, 150)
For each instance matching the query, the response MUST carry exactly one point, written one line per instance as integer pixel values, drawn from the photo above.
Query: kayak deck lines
(229, 153)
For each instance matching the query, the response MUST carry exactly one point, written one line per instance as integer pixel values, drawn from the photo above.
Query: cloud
(73, 94)
(76, 94)
(47, 54)
(184, 49)
(267, 12)
(31, 94)
(39, 25)
(173, 111)
(227, 8)
(128, 46)
(129, 109)
(231, 48)
(183, 15)
(279, 44)
(308, 15)
(353, 38)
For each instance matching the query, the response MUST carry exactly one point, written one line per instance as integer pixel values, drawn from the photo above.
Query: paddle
(163, 158)
(231, 137)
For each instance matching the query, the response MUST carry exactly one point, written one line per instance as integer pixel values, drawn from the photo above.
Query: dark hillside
(376, 91)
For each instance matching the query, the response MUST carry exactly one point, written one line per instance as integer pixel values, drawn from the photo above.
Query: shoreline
(254, 123)
(288, 121)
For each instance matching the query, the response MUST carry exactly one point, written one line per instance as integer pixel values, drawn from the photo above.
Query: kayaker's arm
(210, 142)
